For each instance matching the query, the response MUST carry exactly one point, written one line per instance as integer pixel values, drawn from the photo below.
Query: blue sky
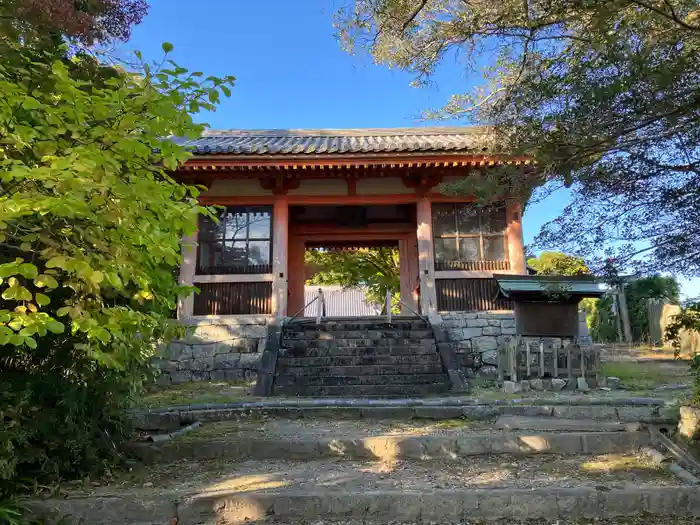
(291, 72)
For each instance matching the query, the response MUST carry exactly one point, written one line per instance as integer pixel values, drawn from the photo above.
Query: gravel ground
(638, 520)
(332, 429)
(610, 471)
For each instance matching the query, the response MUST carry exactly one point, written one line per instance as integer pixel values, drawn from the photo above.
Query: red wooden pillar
(280, 248)
(426, 258)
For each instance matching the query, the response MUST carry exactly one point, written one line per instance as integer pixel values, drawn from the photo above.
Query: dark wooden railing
(233, 299)
(474, 266)
(469, 295)
(230, 270)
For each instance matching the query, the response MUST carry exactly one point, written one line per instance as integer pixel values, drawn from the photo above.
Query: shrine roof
(433, 140)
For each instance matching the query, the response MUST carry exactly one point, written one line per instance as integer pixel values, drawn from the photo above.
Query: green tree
(376, 269)
(90, 229)
(638, 293)
(557, 263)
(604, 96)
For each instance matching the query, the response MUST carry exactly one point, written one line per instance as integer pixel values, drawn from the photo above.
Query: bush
(90, 229)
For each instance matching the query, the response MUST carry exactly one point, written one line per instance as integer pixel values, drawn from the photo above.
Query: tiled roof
(341, 141)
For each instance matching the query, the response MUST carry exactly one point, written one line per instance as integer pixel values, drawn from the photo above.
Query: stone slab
(557, 424)
(437, 506)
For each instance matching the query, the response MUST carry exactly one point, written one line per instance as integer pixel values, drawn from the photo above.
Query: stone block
(185, 364)
(218, 375)
(613, 383)
(464, 346)
(491, 330)
(490, 357)
(525, 385)
(480, 412)
(638, 414)
(508, 323)
(442, 506)
(477, 323)
(660, 501)
(494, 322)
(458, 382)
(250, 361)
(226, 361)
(534, 504)
(204, 350)
(508, 331)
(537, 384)
(689, 423)
(174, 351)
(582, 384)
(438, 412)
(233, 375)
(599, 412)
(203, 364)
(485, 343)
(469, 333)
(510, 387)
(201, 375)
(255, 331)
(558, 384)
(181, 376)
(621, 502)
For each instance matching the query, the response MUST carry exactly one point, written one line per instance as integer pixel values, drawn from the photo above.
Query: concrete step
(334, 343)
(358, 334)
(369, 377)
(283, 369)
(370, 358)
(364, 350)
(360, 391)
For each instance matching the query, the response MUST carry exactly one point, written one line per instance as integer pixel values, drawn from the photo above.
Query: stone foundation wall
(217, 349)
(476, 337)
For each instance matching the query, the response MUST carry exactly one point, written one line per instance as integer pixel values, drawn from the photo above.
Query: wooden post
(541, 359)
(387, 302)
(280, 248)
(426, 258)
(555, 357)
(624, 313)
(320, 307)
(188, 268)
(583, 361)
(527, 360)
(514, 234)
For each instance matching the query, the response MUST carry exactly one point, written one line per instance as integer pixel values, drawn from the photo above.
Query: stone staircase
(359, 357)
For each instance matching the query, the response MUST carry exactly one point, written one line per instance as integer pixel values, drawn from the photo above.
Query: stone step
(358, 324)
(368, 377)
(365, 349)
(360, 391)
(358, 334)
(570, 489)
(434, 367)
(370, 358)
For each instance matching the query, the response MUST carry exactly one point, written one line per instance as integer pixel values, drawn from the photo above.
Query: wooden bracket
(279, 183)
(423, 184)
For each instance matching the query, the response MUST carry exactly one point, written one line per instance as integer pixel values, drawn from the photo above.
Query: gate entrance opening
(338, 245)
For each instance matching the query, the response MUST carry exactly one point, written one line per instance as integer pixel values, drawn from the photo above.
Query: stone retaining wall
(217, 349)
(478, 334)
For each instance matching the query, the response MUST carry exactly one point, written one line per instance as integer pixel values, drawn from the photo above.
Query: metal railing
(388, 302)
(320, 311)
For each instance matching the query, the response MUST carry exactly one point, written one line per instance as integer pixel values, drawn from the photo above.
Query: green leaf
(56, 262)
(167, 47)
(28, 270)
(45, 280)
(55, 327)
(41, 299)
(30, 342)
(64, 310)
(96, 277)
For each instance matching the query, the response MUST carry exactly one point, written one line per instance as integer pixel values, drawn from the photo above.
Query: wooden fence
(525, 358)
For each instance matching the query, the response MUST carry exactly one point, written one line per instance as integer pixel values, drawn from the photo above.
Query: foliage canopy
(604, 95)
(90, 229)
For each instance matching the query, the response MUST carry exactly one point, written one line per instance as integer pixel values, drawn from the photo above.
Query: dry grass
(195, 393)
(647, 375)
